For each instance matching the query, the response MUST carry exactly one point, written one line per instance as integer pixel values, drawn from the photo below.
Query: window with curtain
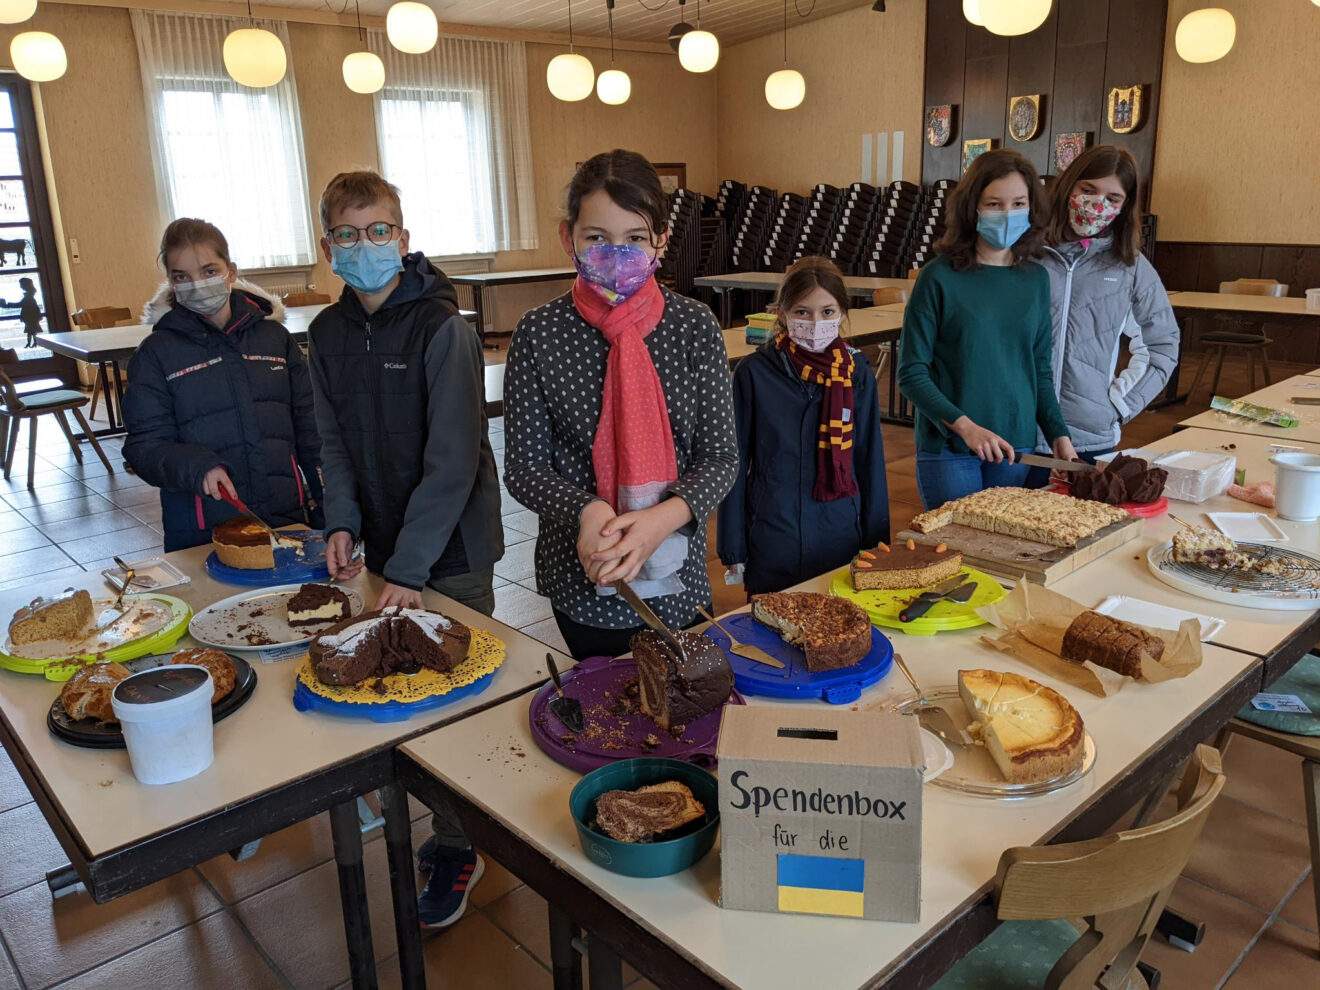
(223, 152)
(453, 130)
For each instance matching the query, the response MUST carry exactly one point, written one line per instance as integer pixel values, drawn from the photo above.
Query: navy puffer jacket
(199, 397)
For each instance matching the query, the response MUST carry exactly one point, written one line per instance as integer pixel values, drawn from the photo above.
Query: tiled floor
(273, 921)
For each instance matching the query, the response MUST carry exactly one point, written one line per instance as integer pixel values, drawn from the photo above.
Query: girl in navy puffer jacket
(219, 397)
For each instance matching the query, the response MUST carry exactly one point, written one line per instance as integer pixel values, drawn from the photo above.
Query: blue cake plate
(290, 566)
(386, 711)
(838, 687)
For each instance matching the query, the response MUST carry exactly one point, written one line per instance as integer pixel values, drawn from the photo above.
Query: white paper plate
(254, 622)
(1248, 527)
(1154, 616)
(1296, 590)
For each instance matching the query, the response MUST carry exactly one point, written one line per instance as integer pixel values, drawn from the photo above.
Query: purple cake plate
(596, 682)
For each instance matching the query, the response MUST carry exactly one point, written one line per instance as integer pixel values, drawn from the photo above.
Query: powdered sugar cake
(391, 641)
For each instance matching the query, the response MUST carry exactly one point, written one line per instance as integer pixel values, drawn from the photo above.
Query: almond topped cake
(904, 565)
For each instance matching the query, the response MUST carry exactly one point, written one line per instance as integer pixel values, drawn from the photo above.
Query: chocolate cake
(643, 814)
(392, 641)
(904, 565)
(317, 604)
(831, 632)
(1110, 643)
(677, 692)
(1123, 480)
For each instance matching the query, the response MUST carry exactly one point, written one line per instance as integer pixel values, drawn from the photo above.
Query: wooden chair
(1242, 333)
(306, 299)
(889, 295)
(14, 408)
(1118, 884)
(98, 318)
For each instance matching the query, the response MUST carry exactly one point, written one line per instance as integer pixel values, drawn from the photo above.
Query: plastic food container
(1296, 485)
(645, 859)
(1313, 298)
(1194, 475)
(165, 714)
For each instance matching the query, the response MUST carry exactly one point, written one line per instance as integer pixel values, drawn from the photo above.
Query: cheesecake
(244, 543)
(317, 605)
(902, 566)
(1031, 732)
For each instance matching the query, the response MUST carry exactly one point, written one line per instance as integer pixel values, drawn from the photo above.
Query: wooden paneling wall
(1084, 48)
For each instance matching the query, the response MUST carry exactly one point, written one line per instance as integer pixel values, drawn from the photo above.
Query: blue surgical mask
(365, 266)
(1002, 228)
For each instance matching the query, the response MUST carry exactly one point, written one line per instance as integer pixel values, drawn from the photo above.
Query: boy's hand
(339, 557)
(591, 538)
(393, 594)
(212, 481)
(642, 531)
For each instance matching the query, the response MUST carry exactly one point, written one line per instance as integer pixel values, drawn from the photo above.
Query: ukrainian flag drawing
(821, 885)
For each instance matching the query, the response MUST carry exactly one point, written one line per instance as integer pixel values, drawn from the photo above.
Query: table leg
(565, 962)
(103, 379)
(403, 886)
(353, 895)
(478, 304)
(1171, 396)
(116, 416)
(604, 967)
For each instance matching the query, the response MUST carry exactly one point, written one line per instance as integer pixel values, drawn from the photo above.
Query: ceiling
(731, 20)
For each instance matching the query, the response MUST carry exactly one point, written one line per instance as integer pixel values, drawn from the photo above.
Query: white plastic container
(1313, 298)
(165, 714)
(1194, 475)
(1296, 485)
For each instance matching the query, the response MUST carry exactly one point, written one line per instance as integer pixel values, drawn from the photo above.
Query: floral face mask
(1091, 215)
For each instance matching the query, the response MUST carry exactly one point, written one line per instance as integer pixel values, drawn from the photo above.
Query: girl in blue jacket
(219, 397)
(811, 487)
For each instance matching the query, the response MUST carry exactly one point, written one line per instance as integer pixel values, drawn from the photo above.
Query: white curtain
(454, 136)
(223, 152)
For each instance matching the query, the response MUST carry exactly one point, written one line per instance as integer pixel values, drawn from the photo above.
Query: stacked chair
(892, 223)
(819, 226)
(790, 216)
(929, 227)
(682, 260)
(851, 227)
(751, 227)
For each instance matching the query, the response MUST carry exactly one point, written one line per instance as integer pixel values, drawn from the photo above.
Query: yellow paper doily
(485, 656)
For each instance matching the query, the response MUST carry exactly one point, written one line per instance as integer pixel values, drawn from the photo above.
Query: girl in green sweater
(975, 351)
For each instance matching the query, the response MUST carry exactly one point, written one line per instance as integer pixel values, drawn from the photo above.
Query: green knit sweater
(977, 343)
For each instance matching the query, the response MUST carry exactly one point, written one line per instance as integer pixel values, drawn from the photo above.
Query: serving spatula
(924, 602)
(744, 650)
(933, 717)
(567, 710)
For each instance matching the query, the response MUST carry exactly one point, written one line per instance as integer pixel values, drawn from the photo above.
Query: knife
(1055, 464)
(232, 499)
(924, 602)
(652, 620)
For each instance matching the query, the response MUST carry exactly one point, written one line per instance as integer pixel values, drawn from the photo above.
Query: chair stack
(818, 229)
(751, 227)
(728, 201)
(856, 212)
(784, 232)
(682, 259)
(891, 225)
(929, 227)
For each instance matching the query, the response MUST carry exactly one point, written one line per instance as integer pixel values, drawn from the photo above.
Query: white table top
(1125, 571)
(1276, 396)
(513, 277)
(858, 285)
(263, 745)
(1233, 302)
(860, 326)
(963, 836)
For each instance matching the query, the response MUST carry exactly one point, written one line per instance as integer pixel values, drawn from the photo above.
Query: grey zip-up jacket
(1095, 300)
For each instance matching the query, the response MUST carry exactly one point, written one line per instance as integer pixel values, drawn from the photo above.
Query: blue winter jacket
(240, 398)
(769, 521)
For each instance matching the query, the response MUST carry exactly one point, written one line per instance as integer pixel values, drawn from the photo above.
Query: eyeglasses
(380, 233)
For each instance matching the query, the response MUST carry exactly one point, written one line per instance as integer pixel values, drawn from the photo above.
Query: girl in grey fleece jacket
(1103, 289)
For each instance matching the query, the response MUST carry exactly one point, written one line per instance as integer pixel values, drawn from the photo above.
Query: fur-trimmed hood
(163, 301)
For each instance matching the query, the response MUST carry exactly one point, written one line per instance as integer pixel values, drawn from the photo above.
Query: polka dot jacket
(553, 382)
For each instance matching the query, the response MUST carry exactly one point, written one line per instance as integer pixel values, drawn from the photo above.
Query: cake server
(933, 717)
(1055, 464)
(238, 504)
(652, 620)
(743, 650)
(567, 710)
(927, 600)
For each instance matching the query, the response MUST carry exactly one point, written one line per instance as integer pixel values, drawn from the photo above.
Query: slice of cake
(244, 543)
(1211, 548)
(832, 632)
(1031, 731)
(1110, 643)
(676, 692)
(392, 641)
(904, 565)
(64, 617)
(318, 604)
(87, 693)
(643, 814)
(218, 663)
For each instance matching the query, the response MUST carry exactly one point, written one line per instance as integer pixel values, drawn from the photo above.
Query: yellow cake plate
(62, 668)
(883, 606)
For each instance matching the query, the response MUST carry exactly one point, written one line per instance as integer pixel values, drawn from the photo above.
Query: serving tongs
(567, 710)
(652, 620)
(933, 717)
(744, 650)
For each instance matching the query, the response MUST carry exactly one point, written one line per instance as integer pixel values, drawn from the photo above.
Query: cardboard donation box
(820, 812)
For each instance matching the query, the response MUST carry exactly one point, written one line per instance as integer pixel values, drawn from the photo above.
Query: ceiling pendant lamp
(613, 86)
(1010, 18)
(698, 50)
(683, 27)
(569, 76)
(364, 72)
(412, 27)
(785, 89)
(972, 12)
(1206, 35)
(38, 56)
(254, 57)
(16, 11)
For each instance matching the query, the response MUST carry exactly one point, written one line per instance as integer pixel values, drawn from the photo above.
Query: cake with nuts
(831, 632)
(904, 565)
(1031, 514)
(1212, 549)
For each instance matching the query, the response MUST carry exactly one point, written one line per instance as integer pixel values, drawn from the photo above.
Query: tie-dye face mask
(616, 271)
(1091, 215)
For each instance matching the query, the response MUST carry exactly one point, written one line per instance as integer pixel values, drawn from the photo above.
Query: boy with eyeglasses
(399, 381)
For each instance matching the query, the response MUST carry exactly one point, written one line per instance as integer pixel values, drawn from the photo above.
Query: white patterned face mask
(1091, 215)
(814, 335)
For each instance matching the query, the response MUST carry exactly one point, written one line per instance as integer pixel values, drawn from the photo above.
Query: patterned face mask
(1091, 215)
(814, 335)
(616, 271)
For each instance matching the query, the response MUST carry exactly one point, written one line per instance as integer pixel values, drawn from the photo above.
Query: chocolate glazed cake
(391, 641)
(674, 692)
